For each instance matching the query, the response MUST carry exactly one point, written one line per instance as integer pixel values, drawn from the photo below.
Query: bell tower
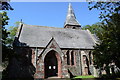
(71, 21)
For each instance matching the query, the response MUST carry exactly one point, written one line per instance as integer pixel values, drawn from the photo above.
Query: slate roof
(39, 36)
(71, 19)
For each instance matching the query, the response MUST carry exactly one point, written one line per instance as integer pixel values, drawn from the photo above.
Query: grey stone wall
(87, 65)
(76, 68)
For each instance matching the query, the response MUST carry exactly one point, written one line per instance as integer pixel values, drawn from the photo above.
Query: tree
(94, 29)
(4, 31)
(107, 50)
(106, 9)
(5, 50)
(7, 38)
(12, 30)
(5, 5)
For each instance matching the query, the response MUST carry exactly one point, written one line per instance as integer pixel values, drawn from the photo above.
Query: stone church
(55, 52)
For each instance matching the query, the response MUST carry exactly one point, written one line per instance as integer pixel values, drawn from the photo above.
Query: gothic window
(68, 58)
(90, 57)
(72, 58)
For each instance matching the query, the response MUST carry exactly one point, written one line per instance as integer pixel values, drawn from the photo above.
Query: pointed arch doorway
(52, 63)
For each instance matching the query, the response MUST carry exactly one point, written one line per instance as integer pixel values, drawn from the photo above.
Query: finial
(70, 3)
(70, 6)
(21, 20)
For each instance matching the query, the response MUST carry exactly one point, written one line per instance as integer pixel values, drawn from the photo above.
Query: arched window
(90, 57)
(74, 27)
(72, 58)
(68, 58)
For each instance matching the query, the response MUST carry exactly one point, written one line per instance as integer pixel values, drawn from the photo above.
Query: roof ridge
(52, 27)
(42, 26)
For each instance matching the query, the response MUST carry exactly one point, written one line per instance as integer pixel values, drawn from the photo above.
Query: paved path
(54, 78)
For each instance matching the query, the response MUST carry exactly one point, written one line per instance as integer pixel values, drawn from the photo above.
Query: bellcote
(71, 21)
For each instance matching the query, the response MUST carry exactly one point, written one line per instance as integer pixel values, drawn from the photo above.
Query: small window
(54, 67)
(74, 27)
(90, 57)
(68, 58)
(72, 58)
(49, 67)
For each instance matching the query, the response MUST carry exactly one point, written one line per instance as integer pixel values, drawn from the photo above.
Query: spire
(71, 19)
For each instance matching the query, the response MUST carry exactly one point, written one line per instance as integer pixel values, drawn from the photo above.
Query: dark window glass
(68, 58)
(72, 58)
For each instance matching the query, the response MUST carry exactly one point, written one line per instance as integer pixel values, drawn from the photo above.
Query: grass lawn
(89, 76)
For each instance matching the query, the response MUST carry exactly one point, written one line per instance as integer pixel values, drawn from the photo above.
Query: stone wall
(36, 57)
(76, 68)
(86, 62)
